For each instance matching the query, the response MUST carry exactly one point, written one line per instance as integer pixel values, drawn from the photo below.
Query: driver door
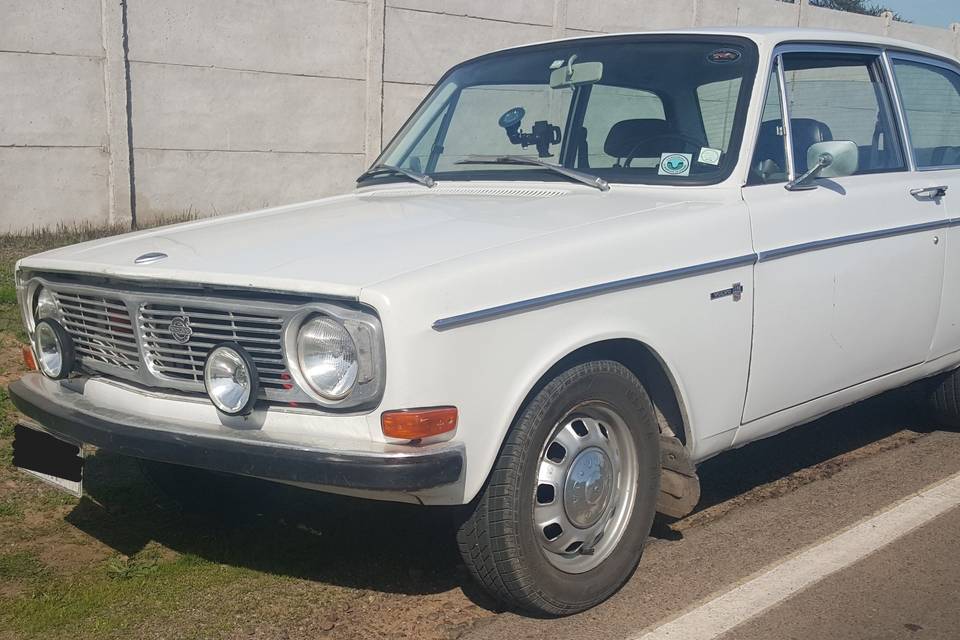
(849, 274)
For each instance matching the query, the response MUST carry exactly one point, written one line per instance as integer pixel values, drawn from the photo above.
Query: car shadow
(408, 549)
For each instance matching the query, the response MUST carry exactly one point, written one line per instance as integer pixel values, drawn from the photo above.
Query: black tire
(943, 397)
(498, 540)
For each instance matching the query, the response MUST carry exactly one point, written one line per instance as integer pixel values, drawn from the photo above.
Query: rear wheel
(944, 397)
(561, 522)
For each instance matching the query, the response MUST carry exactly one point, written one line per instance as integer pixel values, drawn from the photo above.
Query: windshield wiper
(593, 181)
(377, 169)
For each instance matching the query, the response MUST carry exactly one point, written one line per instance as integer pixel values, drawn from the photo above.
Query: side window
(769, 163)
(615, 118)
(841, 97)
(718, 106)
(931, 102)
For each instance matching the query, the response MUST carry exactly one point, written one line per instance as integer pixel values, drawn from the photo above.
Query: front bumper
(65, 412)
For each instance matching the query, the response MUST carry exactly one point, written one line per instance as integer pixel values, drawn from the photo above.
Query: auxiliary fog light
(54, 349)
(230, 378)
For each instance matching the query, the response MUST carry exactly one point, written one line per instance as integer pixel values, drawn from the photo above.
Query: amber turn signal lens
(28, 358)
(414, 424)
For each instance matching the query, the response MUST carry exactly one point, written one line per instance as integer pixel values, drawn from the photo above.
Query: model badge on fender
(736, 290)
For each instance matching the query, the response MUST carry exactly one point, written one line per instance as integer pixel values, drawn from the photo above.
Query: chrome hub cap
(586, 485)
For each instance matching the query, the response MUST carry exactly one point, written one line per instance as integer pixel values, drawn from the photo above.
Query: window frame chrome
(893, 54)
(363, 325)
(776, 61)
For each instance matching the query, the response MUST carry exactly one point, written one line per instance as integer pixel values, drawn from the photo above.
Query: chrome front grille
(182, 359)
(101, 329)
(159, 338)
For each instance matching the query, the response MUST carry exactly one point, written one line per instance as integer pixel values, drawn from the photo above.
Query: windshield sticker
(709, 156)
(674, 164)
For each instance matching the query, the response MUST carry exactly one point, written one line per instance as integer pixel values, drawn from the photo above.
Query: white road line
(783, 580)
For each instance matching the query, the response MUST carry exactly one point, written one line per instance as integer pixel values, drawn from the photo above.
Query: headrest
(625, 135)
(806, 131)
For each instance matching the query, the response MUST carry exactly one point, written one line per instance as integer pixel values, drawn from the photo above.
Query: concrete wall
(112, 109)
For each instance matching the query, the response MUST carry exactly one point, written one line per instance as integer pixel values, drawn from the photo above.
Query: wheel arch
(644, 362)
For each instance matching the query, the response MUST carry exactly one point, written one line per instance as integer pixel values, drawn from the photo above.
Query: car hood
(337, 246)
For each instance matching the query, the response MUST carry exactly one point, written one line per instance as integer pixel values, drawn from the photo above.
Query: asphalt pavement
(819, 533)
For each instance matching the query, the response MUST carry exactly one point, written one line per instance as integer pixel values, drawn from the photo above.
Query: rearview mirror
(571, 75)
(831, 159)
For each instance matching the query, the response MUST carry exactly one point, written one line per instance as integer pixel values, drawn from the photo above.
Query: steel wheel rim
(585, 488)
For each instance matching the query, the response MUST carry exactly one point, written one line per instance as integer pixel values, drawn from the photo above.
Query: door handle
(930, 193)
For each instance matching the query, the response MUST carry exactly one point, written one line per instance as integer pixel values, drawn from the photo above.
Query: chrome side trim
(816, 245)
(589, 291)
(522, 306)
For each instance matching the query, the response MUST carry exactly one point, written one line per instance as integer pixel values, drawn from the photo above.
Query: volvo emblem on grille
(180, 329)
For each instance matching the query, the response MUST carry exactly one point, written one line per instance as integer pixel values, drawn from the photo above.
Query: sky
(936, 13)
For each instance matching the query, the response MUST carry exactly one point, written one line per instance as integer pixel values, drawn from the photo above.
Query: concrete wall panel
(51, 100)
(528, 12)
(241, 103)
(42, 187)
(217, 182)
(176, 107)
(830, 19)
(748, 13)
(51, 26)
(399, 101)
(941, 39)
(420, 46)
(312, 37)
(613, 16)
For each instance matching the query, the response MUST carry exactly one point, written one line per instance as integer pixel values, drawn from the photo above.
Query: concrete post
(955, 28)
(376, 17)
(887, 21)
(559, 18)
(116, 95)
(801, 6)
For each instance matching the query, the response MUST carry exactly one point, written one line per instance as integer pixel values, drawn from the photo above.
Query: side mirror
(831, 159)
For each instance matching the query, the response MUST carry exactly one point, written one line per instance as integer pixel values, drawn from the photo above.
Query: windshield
(636, 109)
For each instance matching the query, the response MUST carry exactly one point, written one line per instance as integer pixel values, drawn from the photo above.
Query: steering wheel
(688, 143)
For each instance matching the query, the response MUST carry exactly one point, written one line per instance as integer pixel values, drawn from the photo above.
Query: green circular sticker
(675, 164)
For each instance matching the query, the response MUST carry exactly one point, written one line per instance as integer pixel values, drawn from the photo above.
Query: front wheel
(561, 523)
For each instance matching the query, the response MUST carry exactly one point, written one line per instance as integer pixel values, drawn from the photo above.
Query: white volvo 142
(581, 268)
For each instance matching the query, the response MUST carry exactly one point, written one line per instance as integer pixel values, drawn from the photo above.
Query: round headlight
(46, 305)
(54, 349)
(327, 356)
(230, 378)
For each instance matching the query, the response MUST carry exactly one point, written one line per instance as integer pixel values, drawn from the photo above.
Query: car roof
(769, 37)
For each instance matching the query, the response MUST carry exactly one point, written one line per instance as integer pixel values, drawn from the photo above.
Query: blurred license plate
(49, 458)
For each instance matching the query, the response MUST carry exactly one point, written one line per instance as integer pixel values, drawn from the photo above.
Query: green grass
(10, 509)
(20, 566)
(103, 603)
